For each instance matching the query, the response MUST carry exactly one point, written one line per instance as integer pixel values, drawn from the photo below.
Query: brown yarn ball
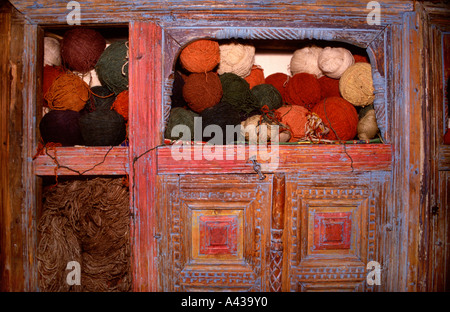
(356, 84)
(68, 91)
(200, 56)
(202, 90)
(81, 48)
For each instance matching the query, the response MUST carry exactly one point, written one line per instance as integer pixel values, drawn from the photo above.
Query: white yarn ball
(52, 52)
(305, 60)
(333, 62)
(236, 58)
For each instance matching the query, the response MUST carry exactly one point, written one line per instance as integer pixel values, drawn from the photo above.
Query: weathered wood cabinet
(319, 216)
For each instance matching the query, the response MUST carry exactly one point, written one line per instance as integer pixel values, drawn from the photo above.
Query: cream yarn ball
(356, 84)
(52, 51)
(305, 60)
(236, 58)
(334, 61)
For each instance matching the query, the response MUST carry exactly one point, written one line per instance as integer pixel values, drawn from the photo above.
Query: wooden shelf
(84, 160)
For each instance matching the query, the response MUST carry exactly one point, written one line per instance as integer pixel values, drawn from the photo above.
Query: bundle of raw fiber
(258, 129)
(329, 87)
(52, 51)
(256, 76)
(360, 58)
(367, 126)
(185, 119)
(305, 60)
(61, 126)
(120, 104)
(112, 67)
(202, 90)
(236, 91)
(356, 85)
(303, 89)
(67, 92)
(220, 116)
(103, 128)
(338, 115)
(101, 99)
(334, 61)
(87, 221)
(236, 58)
(81, 48)
(177, 98)
(200, 56)
(267, 95)
(295, 118)
(279, 81)
(49, 76)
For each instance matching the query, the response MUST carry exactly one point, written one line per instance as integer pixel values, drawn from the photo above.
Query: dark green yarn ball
(112, 67)
(267, 94)
(101, 98)
(236, 92)
(180, 116)
(103, 128)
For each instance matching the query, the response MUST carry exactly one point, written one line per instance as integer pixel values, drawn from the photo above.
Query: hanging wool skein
(334, 61)
(200, 56)
(236, 58)
(305, 60)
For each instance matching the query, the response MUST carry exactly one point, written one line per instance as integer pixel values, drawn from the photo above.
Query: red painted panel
(332, 230)
(218, 235)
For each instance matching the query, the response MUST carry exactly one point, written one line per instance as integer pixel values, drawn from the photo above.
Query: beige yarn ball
(367, 126)
(334, 61)
(356, 84)
(236, 58)
(52, 51)
(252, 130)
(305, 60)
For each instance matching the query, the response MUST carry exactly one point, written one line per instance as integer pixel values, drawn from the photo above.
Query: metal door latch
(257, 167)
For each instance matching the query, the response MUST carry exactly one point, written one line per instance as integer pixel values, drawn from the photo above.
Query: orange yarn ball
(303, 89)
(200, 56)
(68, 91)
(49, 76)
(339, 115)
(295, 117)
(256, 76)
(201, 91)
(120, 105)
(329, 87)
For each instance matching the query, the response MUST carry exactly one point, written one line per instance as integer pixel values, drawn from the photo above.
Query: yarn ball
(101, 99)
(52, 52)
(356, 85)
(103, 128)
(255, 129)
(81, 48)
(236, 91)
(120, 104)
(177, 98)
(305, 60)
(267, 95)
(184, 117)
(222, 114)
(360, 58)
(303, 89)
(200, 56)
(112, 67)
(91, 78)
(334, 61)
(202, 90)
(329, 87)
(236, 58)
(61, 126)
(340, 116)
(294, 117)
(256, 76)
(447, 137)
(279, 81)
(367, 126)
(49, 76)
(68, 91)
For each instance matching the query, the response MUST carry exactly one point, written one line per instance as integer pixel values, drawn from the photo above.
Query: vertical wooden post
(276, 241)
(145, 85)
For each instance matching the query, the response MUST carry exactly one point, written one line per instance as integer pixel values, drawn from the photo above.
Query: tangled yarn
(236, 91)
(305, 60)
(303, 89)
(61, 126)
(200, 56)
(68, 91)
(257, 129)
(236, 58)
(295, 118)
(183, 117)
(334, 61)
(52, 52)
(81, 48)
(267, 95)
(356, 85)
(202, 90)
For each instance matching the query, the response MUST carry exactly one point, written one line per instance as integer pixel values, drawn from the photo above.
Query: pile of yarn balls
(221, 83)
(85, 89)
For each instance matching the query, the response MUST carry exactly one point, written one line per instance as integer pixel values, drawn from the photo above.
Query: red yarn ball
(340, 115)
(256, 76)
(447, 137)
(201, 91)
(279, 81)
(329, 87)
(49, 76)
(303, 89)
(200, 56)
(81, 48)
(360, 58)
(295, 117)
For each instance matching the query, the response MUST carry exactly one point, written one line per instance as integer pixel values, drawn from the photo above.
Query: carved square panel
(332, 230)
